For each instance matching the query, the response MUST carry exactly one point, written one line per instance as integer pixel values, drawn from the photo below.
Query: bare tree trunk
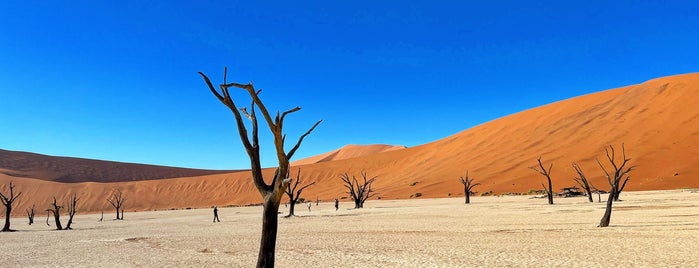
(547, 173)
(616, 196)
(468, 195)
(614, 178)
(604, 222)
(8, 211)
(72, 209)
(30, 214)
(268, 241)
(271, 193)
(7, 201)
(292, 205)
(468, 186)
(583, 182)
(56, 210)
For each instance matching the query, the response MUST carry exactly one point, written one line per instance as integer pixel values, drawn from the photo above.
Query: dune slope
(657, 121)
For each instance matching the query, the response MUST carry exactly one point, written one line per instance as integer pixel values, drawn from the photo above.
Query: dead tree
(468, 186)
(294, 194)
(117, 201)
(581, 179)
(620, 170)
(30, 214)
(7, 201)
(359, 191)
(547, 173)
(56, 210)
(271, 193)
(616, 196)
(72, 208)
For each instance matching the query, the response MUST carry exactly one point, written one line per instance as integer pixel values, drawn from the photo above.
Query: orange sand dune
(657, 120)
(347, 152)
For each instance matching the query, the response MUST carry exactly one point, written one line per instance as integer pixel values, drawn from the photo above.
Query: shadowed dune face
(70, 169)
(657, 120)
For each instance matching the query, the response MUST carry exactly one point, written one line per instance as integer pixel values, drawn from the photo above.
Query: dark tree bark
(621, 189)
(271, 193)
(468, 186)
(7, 201)
(547, 174)
(30, 214)
(359, 191)
(117, 200)
(56, 210)
(294, 194)
(72, 209)
(581, 179)
(620, 170)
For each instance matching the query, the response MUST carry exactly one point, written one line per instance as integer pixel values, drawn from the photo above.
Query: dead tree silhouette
(293, 193)
(271, 193)
(468, 186)
(359, 191)
(581, 179)
(620, 170)
(31, 211)
(7, 201)
(72, 209)
(547, 173)
(117, 200)
(56, 210)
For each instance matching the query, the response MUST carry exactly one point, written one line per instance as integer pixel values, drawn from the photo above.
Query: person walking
(337, 204)
(216, 214)
(309, 204)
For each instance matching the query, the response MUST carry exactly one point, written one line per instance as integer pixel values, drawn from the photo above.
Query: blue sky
(117, 80)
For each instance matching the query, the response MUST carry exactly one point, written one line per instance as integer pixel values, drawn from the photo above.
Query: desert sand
(656, 120)
(648, 229)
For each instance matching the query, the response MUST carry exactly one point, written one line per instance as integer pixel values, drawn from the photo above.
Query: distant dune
(348, 152)
(657, 120)
(71, 169)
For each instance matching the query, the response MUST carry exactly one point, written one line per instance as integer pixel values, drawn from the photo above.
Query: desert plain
(648, 229)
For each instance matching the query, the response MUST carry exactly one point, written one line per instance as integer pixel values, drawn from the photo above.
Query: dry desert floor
(649, 229)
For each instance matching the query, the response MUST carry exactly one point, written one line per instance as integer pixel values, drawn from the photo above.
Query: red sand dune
(657, 120)
(348, 152)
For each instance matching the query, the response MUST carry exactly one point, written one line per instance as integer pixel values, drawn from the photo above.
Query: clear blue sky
(117, 80)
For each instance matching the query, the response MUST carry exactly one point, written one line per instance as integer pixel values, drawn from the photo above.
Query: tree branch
(298, 143)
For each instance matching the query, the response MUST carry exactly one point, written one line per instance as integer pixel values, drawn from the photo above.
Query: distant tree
(468, 186)
(359, 191)
(271, 193)
(547, 173)
(56, 210)
(72, 209)
(293, 193)
(621, 189)
(581, 179)
(117, 200)
(614, 178)
(7, 201)
(30, 214)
